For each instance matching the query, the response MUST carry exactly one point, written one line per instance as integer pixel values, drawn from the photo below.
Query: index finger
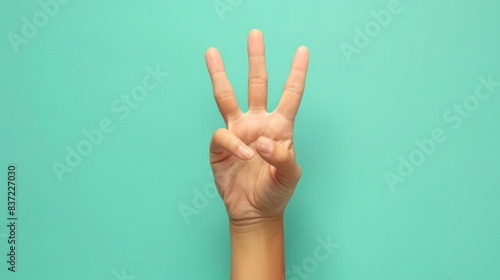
(223, 91)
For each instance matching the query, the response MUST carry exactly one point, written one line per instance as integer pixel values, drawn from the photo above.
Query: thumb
(288, 172)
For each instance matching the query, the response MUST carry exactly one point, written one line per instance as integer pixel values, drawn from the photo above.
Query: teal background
(116, 215)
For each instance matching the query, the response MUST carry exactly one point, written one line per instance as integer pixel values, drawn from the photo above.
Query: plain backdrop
(137, 202)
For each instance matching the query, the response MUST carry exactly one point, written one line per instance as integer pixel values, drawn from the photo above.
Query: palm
(254, 188)
(249, 188)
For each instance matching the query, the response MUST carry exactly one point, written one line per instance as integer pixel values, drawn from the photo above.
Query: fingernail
(266, 146)
(245, 152)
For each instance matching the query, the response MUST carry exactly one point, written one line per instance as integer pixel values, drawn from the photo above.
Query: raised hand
(253, 158)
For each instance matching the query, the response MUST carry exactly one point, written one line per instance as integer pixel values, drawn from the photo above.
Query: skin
(254, 162)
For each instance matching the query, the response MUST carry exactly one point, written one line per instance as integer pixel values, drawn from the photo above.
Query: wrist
(258, 249)
(256, 225)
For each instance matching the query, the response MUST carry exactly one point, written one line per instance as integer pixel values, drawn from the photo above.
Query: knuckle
(257, 79)
(218, 133)
(219, 136)
(293, 88)
(224, 93)
(299, 172)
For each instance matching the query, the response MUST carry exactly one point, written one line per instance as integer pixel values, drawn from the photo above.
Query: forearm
(257, 251)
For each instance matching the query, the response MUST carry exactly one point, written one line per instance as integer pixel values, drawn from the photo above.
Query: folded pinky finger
(288, 172)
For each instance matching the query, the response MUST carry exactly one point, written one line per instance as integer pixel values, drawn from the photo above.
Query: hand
(253, 159)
